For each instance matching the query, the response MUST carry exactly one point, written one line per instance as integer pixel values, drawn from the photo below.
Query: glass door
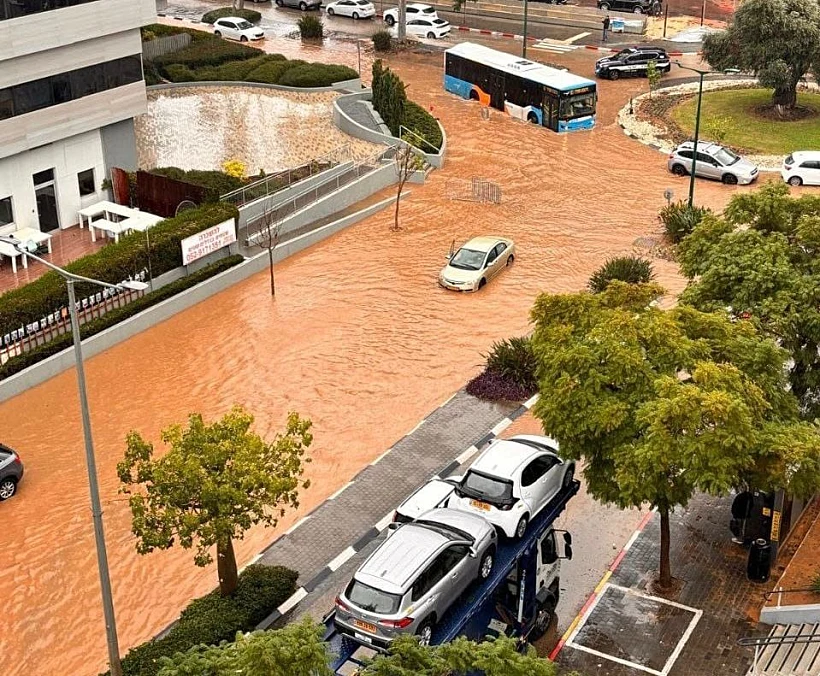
(46, 196)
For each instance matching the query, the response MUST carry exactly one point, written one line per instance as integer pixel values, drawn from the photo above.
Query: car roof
(420, 6)
(231, 18)
(703, 146)
(806, 154)
(473, 525)
(503, 457)
(484, 243)
(400, 557)
(426, 497)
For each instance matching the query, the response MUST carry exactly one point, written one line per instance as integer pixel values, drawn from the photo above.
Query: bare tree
(269, 235)
(407, 162)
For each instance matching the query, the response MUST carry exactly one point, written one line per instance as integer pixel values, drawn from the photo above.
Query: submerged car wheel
(243, 38)
(218, 34)
(795, 180)
(425, 632)
(510, 261)
(729, 179)
(613, 75)
(8, 487)
(637, 10)
(355, 16)
(678, 170)
(330, 11)
(390, 21)
(482, 283)
(431, 35)
(487, 562)
(521, 528)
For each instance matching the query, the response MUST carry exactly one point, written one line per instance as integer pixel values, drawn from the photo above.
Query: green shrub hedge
(115, 316)
(160, 30)
(424, 124)
(213, 618)
(113, 263)
(315, 75)
(204, 53)
(248, 14)
(382, 41)
(216, 182)
(311, 27)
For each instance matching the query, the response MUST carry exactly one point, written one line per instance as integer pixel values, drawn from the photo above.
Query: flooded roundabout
(359, 338)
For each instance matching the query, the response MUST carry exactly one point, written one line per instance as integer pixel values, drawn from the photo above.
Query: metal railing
(273, 183)
(759, 643)
(779, 591)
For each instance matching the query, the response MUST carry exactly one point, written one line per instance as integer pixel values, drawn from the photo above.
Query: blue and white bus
(529, 91)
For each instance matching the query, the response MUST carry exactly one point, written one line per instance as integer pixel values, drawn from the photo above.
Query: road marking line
(381, 457)
(603, 582)
(683, 640)
(576, 37)
(293, 600)
(385, 521)
(340, 491)
(416, 427)
(464, 457)
(531, 401)
(340, 560)
(500, 427)
(612, 658)
(296, 525)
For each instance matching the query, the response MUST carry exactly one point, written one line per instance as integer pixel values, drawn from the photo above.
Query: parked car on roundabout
(237, 28)
(303, 5)
(633, 61)
(355, 9)
(802, 168)
(712, 161)
(476, 263)
(11, 471)
(414, 576)
(414, 10)
(512, 481)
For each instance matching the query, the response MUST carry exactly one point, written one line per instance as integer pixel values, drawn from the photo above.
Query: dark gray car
(414, 576)
(11, 471)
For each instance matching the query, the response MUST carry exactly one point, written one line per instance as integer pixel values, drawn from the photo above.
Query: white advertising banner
(208, 241)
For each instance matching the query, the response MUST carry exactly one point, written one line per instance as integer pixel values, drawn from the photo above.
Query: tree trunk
(239, 4)
(402, 28)
(666, 567)
(784, 97)
(270, 259)
(398, 199)
(226, 567)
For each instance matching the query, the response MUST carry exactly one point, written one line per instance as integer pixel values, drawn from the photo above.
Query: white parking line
(500, 427)
(385, 521)
(569, 41)
(296, 525)
(341, 490)
(469, 453)
(340, 560)
(531, 402)
(298, 595)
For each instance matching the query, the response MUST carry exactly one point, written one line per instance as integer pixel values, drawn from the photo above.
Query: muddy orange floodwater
(360, 339)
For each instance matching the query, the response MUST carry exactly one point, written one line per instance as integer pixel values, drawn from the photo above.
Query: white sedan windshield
(468, 259)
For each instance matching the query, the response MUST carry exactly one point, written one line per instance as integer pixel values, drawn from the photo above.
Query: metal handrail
(777, 640)
(793, 590)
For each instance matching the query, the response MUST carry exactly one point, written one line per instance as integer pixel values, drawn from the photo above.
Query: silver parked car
(414, 576)
(11, 471)
(713, 161)
(435, 493)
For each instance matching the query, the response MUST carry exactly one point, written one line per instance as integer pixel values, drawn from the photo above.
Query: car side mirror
(568, 552)
(568, 539)
(453, 479)
(473, 553)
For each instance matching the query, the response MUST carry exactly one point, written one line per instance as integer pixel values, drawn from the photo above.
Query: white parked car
(357, 9)
(432, 495)
(428, 28)
(412, 11)
(802, 167)
(512, 481)
(476, 263)
(236, 28)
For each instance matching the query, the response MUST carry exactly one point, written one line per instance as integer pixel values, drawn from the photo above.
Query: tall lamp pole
(524, 41)
(28, 249)
(700, 73)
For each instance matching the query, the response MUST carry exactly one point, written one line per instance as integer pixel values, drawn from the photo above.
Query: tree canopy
(214, 483)
(298, 650)
(759, 260)
(661, 404)
(779, 40)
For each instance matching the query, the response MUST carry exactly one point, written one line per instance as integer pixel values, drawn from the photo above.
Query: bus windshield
(577, 106)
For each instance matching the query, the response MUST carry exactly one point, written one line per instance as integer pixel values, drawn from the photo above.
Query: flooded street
(359, 338)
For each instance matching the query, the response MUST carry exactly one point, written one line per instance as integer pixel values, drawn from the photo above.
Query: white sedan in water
(476, 263)
(356, 9)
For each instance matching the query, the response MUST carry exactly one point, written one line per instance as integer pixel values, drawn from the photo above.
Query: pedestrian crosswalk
(554, 46)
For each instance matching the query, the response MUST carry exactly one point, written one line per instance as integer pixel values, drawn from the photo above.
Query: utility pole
(524, 42)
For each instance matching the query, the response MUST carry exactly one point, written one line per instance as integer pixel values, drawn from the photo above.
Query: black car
(11, 471)
(632, 6)
(633, 61)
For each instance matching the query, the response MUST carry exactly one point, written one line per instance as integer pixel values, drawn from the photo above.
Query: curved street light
(28, 249)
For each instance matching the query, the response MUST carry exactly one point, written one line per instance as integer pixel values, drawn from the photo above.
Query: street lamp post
(27, 249)
(524, 41)
(700, 73)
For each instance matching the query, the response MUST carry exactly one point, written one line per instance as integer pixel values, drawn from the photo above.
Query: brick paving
(711, 571)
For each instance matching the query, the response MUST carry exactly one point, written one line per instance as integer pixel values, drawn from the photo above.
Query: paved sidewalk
(629, 630)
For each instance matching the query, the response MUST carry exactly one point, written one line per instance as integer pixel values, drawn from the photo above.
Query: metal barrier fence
(255, 232)
(167, 44)
(57, 323)
(273, 183)
(473, 190)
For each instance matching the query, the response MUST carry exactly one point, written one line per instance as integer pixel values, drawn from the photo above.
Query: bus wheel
(473, 95)
(532, 117)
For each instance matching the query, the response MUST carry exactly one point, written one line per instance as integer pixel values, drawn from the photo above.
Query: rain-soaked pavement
(359, 339)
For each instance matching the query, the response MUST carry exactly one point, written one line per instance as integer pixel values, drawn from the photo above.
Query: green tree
(653, 75)
(661, 404)
(388, 96)
(760, 260)
(717, 127)
(214, 483)
(779, 40)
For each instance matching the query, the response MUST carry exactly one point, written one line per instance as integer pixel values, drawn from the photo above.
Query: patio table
(106, 226)
(9, 250)
(105, 209)
(32, 235)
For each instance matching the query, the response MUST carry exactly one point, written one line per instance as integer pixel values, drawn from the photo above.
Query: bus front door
(497, 91)
(551, 112)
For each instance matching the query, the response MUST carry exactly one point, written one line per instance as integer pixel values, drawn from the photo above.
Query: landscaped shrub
(493, 386)
(509, 373)
(424, 124)
(382, 41)
(115, 316)
(679, 219)
(217, 183)
(160, 30)
(629, 269)
(150, 73)
(113, 263)
(232, 71)
(214, 618)
(316, 75)
(389, 97)
(248, 14)
(204, 53)
(268, 72)
(176, 72)
(311, 27)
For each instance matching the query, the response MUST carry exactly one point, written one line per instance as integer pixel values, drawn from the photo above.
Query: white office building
(70, 86)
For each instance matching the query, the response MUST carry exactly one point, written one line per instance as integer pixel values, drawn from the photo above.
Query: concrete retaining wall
(56, 364)
(345, 85)
(803, 614)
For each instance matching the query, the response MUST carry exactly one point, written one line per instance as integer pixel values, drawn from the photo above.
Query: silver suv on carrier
(410, 581)
(713, 161)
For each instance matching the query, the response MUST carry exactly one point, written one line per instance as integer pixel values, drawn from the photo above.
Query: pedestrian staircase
(789, 650)
(555, 46)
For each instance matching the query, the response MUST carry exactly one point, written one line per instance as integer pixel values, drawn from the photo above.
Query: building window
(51, 91)
(86, 181)
(11, 10)
(6, 211)
(44, 176)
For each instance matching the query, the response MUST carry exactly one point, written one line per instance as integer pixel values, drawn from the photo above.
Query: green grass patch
(748, 129)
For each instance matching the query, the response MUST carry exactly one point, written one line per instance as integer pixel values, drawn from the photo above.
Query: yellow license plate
(365, 625)
(480, 505)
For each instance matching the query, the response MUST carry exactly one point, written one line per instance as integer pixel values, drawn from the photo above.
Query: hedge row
(115, 316)
(212, 619)
(160, 30)
(248, 14)
(211, 52)
(423, 123)
(217, 183)
(113, 263)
